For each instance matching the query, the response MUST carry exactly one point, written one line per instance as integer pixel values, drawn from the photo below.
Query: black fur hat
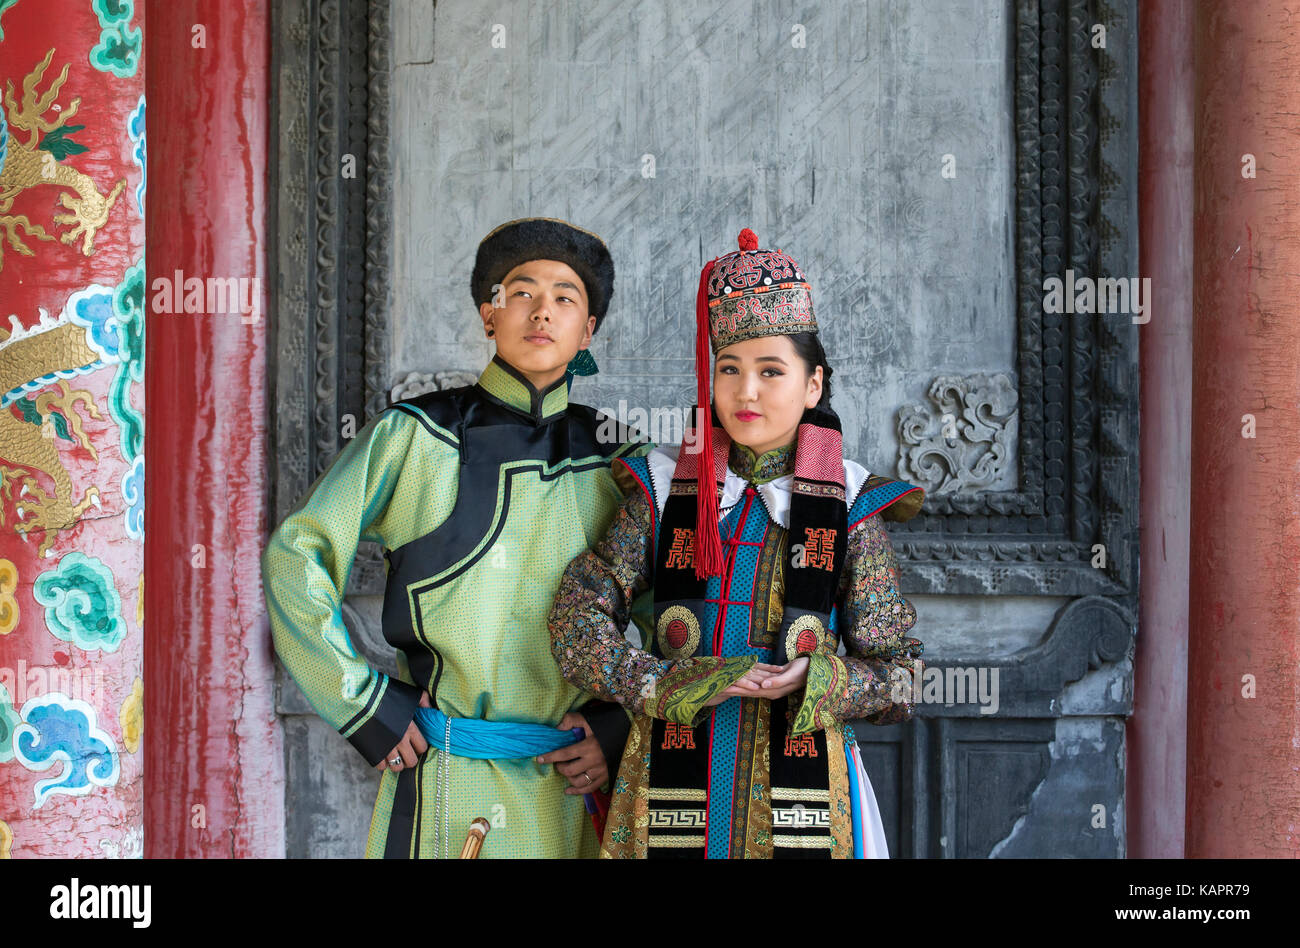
(545, 238)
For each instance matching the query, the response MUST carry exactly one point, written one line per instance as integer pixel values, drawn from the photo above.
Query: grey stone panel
(831, 152)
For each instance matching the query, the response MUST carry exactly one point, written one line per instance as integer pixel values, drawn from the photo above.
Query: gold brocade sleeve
(874, 620)
(592, 609)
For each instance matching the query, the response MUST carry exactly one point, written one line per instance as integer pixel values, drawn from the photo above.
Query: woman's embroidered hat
(746, 294)
(752, 292)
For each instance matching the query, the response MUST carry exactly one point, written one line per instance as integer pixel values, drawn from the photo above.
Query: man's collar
(506, 385)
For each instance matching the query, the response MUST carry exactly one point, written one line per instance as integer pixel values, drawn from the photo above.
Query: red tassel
(748, 240)
(708, 543)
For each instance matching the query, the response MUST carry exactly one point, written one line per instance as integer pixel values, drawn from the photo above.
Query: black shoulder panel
(446, 408)
(594, 433)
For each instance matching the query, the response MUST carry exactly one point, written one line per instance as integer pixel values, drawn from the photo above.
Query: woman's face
(760, 389)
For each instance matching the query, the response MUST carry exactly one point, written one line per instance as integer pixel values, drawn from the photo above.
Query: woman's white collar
(775, 493)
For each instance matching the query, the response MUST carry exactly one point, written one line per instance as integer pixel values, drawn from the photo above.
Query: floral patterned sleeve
(592, 609)
(874, 622)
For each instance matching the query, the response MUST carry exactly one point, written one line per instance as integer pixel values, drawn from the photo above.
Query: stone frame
(1076, 208)
(332, 238)
(1076, 384)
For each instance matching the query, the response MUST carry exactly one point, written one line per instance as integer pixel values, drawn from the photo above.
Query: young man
(480, 496)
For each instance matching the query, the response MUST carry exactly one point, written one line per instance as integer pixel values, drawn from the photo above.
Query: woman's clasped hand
(765, 681)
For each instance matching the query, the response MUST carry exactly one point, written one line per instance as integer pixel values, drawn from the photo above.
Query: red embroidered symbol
(681, 555)
(819, 551)
(778, 263)
(677, 633)
(801, 746)
(742, 271)
(679, 737)
(806, 642)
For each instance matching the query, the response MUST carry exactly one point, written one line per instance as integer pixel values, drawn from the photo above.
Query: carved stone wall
(833, 144)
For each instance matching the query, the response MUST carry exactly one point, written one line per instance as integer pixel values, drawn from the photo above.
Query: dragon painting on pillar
(72, 322)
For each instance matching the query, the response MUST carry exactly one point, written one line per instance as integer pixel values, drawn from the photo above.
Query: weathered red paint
(1157, 732)
(212, 735)
(1243, 754)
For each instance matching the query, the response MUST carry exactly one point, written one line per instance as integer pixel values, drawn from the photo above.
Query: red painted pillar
(72, 236)
(215, 771)
(1157, 733)
(1243, 754)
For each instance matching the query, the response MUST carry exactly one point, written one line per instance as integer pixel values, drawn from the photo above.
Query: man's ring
(587, 775)
(396, 761)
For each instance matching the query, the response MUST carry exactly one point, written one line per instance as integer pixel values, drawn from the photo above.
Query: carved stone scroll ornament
(417, 383)
(964, 441)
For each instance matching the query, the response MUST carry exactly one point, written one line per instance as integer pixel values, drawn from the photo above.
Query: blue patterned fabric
(746, 522)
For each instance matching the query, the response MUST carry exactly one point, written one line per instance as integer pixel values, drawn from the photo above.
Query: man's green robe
(480, 497)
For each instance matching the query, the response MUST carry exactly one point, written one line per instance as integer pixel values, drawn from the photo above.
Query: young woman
(762, 564)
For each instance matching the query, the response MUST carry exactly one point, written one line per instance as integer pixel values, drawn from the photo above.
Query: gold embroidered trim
(678, 819)
(797, 817)
(791, 793)
(802, 842)
(676, 842)
(682, 793)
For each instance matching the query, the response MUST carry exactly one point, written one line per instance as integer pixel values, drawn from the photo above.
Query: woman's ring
(587, 775)
(396, 761)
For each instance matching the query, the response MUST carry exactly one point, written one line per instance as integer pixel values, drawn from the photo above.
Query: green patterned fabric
(766, 467)
(475, 621)
(824, 689)
(681, 696)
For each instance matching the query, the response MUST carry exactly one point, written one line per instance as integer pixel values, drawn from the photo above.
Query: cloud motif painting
(58, 730)
(72, 195)
(9, 721)
(135, 129)
(82, 606)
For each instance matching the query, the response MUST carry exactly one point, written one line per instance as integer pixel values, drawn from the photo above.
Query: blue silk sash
(489, 740)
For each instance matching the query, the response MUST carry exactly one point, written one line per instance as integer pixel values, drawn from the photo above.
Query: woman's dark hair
(809, 347)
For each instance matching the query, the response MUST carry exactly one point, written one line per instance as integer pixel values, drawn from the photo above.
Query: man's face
(542, 321)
